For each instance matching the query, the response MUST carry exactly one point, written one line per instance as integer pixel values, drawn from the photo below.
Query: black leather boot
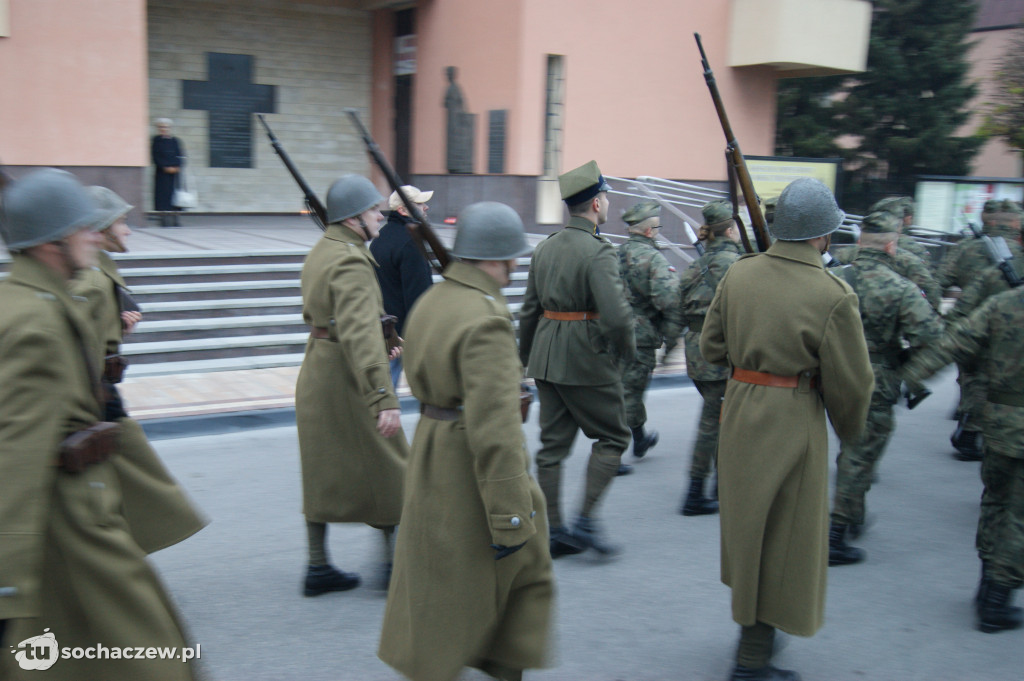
(966, 442)
(563, 543)
(588, 532)
(696, 503)
(979, 596)
(323, 578)
(766, 673)
(839, 552)
(996, 613)
(624, 469)
(643, 441)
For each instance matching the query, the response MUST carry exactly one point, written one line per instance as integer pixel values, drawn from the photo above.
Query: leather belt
(1006, 398)
(320, 332)
(571, 316)
(773, 381)
(440, 413)
(88, 446)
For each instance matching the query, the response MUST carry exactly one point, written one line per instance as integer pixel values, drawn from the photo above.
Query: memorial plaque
(231, 98)
(496, 140)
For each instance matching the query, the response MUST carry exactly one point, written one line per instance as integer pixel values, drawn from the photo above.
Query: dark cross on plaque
(231, 98)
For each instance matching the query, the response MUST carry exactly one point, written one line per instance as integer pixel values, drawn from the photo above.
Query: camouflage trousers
(705, 447)
(1000, 539)
(973, 387)
(855, 465)
(635, 379)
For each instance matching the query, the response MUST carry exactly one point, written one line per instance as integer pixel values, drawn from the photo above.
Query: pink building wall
(995, 159)
(635, 94)
(74, 84)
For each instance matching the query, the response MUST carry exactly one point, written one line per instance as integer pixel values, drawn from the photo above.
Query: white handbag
(183, 197)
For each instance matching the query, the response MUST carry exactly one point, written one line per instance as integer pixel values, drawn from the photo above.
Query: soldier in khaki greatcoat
(156, 507)
(68, 562)
(576, 331)
(351, 443)
(476, 589)
(791, 334)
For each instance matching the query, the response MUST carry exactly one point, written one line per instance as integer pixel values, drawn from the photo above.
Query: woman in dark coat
(169, 158)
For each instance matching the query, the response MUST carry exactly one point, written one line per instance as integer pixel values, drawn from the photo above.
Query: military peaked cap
(880, 222)
(583, 183)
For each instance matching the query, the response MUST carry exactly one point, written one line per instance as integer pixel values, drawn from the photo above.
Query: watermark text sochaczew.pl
(42, 652)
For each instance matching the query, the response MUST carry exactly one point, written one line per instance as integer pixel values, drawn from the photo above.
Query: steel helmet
(489, 231)
(46, 205)
(350, 195)
(806, 209)
(112, 207)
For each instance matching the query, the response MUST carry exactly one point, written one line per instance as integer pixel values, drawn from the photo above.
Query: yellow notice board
(771, 174)
(5, 19)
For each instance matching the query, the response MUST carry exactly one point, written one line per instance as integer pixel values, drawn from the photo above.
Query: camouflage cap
(769, 208)
(1001, 206)
(581, 184)
(900, 206)
(880, 222)
(716, 211)
(641, 211)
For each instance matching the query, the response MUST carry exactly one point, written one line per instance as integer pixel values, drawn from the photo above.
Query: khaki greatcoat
(155, 505)
(350, 472)
(781, 313)
(451, 604)
(67, 559)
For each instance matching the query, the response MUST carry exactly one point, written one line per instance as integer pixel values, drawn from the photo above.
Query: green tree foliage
(1005, 113)
(899, 118)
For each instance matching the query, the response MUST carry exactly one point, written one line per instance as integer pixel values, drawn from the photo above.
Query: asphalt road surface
(657, 613)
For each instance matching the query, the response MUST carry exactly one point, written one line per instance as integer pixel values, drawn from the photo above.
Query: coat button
(515, 521)
(382, 390)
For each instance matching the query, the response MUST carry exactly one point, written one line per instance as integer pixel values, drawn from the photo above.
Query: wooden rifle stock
(737, 164)
(313, 204)
(423, 232)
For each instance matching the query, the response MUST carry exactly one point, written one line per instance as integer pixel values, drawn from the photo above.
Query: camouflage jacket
(970, 256)
(652, 289)
(696, 290)
(908, 266)
(990, 282)
(892, 309)
(993, 335)
(909, 244)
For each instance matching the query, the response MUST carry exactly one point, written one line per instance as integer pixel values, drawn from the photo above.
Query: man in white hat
(404, 274)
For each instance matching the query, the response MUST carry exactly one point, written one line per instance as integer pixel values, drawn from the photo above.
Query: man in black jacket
(403, 272)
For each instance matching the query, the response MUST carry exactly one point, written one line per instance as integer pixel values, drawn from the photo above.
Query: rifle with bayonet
(319, 215)
(422, 231)
(737, 166)
(1000, 255)
(315, 207)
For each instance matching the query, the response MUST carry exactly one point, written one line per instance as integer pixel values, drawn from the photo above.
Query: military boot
(642, 441)
(323, 578)
(966, 442)
(839, 552)
(696, 503)
(587, 531)
(996, 613)
(983, 584)
(766, 673)
(563, 543)
(624, 469)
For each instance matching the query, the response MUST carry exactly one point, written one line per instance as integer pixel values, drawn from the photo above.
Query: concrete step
(214, 290)
(216, 327)
(207, 365)
(215, 348)
(223, 307)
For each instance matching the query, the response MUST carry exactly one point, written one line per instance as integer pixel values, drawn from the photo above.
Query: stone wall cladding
(319, 58)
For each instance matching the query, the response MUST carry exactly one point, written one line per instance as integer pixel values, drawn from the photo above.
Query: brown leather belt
(88, 446)
(440, 413)
(571, 316)
(319, 332)
(773, 381)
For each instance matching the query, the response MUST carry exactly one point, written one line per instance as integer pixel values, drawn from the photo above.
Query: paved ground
(659, 613)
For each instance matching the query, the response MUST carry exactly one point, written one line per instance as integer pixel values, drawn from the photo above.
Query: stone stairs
(225, 311)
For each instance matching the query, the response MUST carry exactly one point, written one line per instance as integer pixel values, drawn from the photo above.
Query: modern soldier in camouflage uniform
(992, 280)
(652, 288)
(962, 264)
(892, 311)
(720, 236)
(903, 208)
(992, 337)
(908, 266)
